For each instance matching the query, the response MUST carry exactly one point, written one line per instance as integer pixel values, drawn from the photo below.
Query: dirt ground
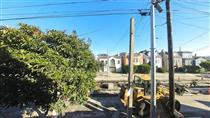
(160, 76)
(196, 106)
(110, 107)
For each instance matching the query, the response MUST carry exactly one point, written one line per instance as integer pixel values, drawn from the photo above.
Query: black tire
(177, 105)
(142, 108)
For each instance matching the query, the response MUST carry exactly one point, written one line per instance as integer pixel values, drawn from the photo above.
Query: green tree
(48, 69)
(206, 65)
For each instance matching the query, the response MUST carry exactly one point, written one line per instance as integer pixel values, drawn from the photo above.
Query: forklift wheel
(143, 108)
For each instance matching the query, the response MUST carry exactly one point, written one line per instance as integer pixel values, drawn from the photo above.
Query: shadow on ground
(189, 111)
(100, 107)
(204, 103)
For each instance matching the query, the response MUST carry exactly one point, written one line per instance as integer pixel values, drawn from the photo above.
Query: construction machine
(141, 96)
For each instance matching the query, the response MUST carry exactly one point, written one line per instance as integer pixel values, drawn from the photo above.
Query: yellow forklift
(141, 96)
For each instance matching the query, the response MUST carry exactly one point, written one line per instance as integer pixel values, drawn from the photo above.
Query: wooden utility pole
(170, 57)
(130, 77)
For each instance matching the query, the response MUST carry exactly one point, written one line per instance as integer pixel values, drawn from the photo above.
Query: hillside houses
(181, 58)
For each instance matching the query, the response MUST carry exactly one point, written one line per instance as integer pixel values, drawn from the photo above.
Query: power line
(62, 16)
(97, 30)
(60, 1)
(160, 24)
(198, 3)
(201, 48)
(122, 38)
(191, 25)
(53, 4)
(194, 38)
(175, 11)
(190, 18)
(189, 8)
(195, 1)
(54, 12)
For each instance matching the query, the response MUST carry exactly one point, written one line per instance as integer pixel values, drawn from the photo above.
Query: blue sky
(190, 23)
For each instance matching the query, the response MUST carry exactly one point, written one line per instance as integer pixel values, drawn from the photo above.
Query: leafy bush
(188, 69)
(161, 70)
(46, 69)
(180, 70)
(192, 69)
(144, 68)
(125, 69)
(206, 65)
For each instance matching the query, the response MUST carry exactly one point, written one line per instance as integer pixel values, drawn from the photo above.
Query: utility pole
(155, 5)
(170, 55)
(152, 60)
(130, 77)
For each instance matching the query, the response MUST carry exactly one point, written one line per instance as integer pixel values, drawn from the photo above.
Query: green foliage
(206, 65)
(180, 70)
(45, 69)
(100, 66)
(192, 69)
(161, 70)
(144, 68)
(188, 69)
(125, 69)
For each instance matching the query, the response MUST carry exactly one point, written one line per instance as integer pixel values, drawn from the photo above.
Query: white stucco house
(111, 63)
(186, 57)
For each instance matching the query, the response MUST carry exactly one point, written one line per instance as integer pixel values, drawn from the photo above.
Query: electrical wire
(190, 18)
(55, 12)
(97, 30)
(160, 24)
(195, 38)
(201, 48)
(197, 3)
(53, 4)
(63, 16)
(191, 25)
(189, 8)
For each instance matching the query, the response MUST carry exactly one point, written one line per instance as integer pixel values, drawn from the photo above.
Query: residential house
(165, 62)
(198, 60)
(186, 57)
(137, 59)
(146, 59)
(110, 63)
(177, 61)
(158, 59)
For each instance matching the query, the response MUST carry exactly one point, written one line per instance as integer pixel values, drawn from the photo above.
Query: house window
(135, 60)
(118, 61)
(112, 62)
(106, 62)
